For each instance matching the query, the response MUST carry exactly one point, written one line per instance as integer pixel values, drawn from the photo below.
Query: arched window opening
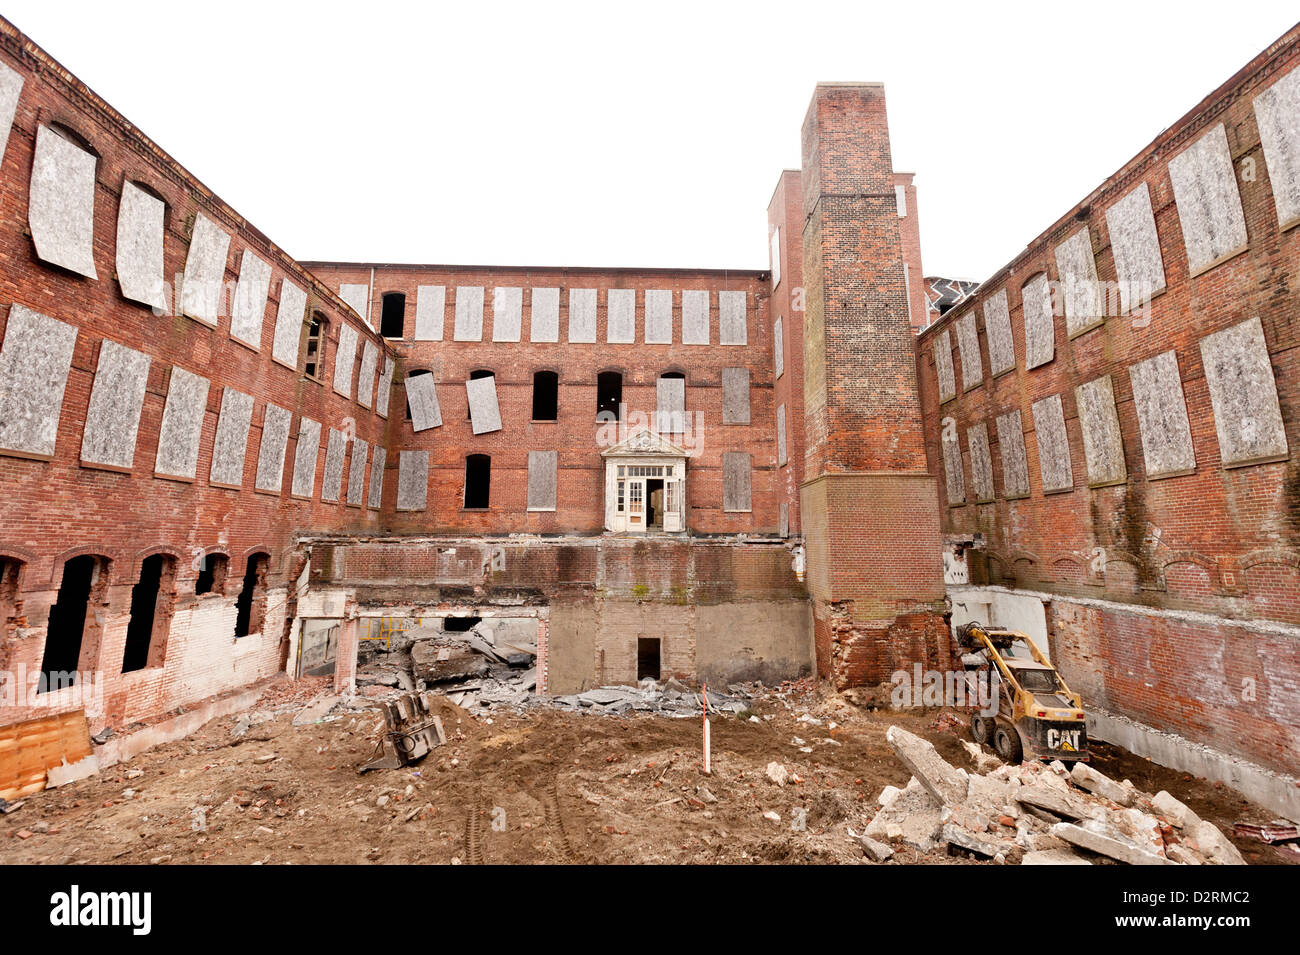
(609, 395)
(73, 633)
(250, 606)
(546, 396)
(152, 600)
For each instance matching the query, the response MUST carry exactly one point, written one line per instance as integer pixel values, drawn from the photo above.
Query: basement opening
(250, 606)
(647, 658)
(460, 624)
(212, 575)
(73, 634)
(609, 395)
(392, 318)
(546, 396)
(151, 610)
(478, 481)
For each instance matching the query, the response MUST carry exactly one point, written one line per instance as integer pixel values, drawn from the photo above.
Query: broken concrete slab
(947, 784)
(874, 850)
(1098, 837)
(1099, 784)
(71, 772)
(1213, 845)
(316, 710)
(1039, 795)
(1054, 857)
(1173, 811)
(963, 838)
(912, 817)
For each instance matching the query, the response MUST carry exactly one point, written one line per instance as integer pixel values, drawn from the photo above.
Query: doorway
(647, 658)
(654, 493)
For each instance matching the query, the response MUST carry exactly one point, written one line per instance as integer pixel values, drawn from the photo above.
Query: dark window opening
(546, 396)
(74, 137)
(459, 624)
(73, 633)
(151, 606)
(418, 371)
(609, 394)
(478, 481)
(392, 318)
(212, 574)
(647, 658)
(314, 360)
(478, 373)
(250, 606)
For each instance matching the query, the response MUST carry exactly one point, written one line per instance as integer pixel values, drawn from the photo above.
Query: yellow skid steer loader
(1037, 716)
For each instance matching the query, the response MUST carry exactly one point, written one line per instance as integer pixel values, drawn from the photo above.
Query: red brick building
(219, 463)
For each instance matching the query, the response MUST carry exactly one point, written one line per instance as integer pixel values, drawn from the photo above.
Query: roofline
(578, 269)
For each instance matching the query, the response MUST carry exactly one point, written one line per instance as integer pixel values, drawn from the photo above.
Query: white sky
(646, 134)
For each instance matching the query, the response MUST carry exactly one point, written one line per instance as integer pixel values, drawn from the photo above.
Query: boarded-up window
(1162, 416)
(1053, 445)
(61, 201)
(231, 443)
(981, 462)
(430, 312)
(542, 480)
(304, 459)
(997, 328)
(1209, 205)
(34, 363)
(357, 472)
(507, 314)
(270, 453)
(205, 271)
(735, 396)
(778, 346)
(140, 220)
(248, 310)
(469, 314)
(695, 317)
(1103, 446)
(1011, 447)
(1277, 111)
(1243, 392)
(972, 366)
(412, 480)
(346, 359)
(582, 315)
(1135, 244)
(620, 326)
(377, 459)
(484, 412)
(733, 319)
(780, 436)
(1077, 267)
(544, 318)
(113, 417)
(943, 366)
(1040, 327)
(182, 425)
(422, 400)
(670, 400)
(954, 478)
(735, 481)
(658, 317)
(335, 451)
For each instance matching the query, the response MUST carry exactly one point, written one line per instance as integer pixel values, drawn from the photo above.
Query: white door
(636, 505)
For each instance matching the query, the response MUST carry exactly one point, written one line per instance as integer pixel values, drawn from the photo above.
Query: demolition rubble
(1034, 813)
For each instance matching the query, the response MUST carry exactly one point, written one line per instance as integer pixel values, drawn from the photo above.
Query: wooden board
(28, 750)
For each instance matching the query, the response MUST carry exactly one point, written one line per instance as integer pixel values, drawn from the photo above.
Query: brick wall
(1219, 540)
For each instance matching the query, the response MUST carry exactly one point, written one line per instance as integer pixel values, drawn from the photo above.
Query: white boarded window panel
(182, 425)
(305, 457)
(113, 417)
(582, 315)
(358, 297)
(544, 317)
(1162, 416)
(1103, 444)
(981, 462)
(345, 360)
(430, 312)
(1053, 445)
(541, 480)
(469, 314)
(972, 366)
(785, 519)
(34, 363)
(736, 481)
(1135, 245)
(695, 317)
(248, 310)
(900, 200)
(781, 457)
(1277, 113)
(332, 482)
(943, 366)
(778, 346)
(1243, 393)
(620, 325)
(1077, 267)
(735, 396)
(1011, 448)
(658, 317)
(231, 443)
(507, 314)
(670, 400)
(733, 320)
(376, 496)
(11, 85)
(366, 380)
(954, 477)
(205, 271)
(140, 219)
(412, 480)
(385, 388)
(422, 396)
(270, 452)
(997, 327)
(1209, 205)
(61, 203)
(290, 315)
(1040, 330)
(357, 472)
(774, 255)
(484, 413)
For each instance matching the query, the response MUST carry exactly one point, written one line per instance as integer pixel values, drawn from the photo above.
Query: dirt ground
(543, 786)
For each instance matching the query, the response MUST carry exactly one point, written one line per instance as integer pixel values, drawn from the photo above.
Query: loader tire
(1006, 742)
(981, 728)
